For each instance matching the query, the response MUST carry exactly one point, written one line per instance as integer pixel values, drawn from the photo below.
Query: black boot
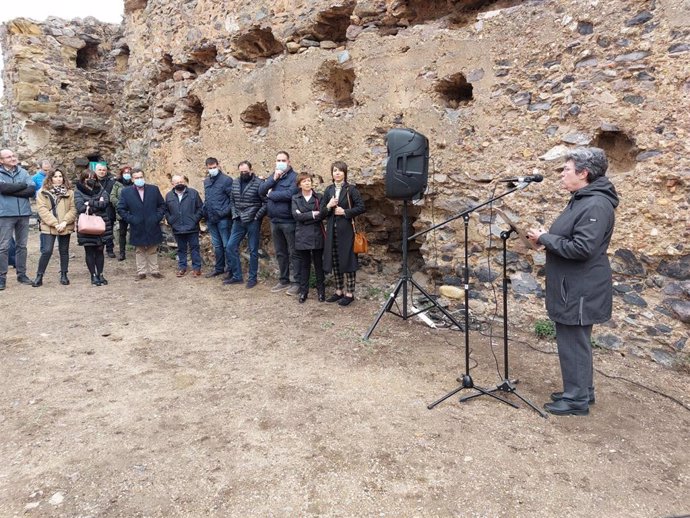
(63, 278)
(103, 280)
(38, 281)
(95, 279)
(321, 293)
(122, 256)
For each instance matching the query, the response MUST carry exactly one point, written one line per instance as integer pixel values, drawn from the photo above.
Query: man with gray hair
(579, 286)
(16, 188)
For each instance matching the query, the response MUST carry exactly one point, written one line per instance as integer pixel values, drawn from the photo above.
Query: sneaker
(292, 290)
(346, 301)
(140, 277)
(232, 280)
(334, 298)
(157, 275)
(279, 287)
(250, 284)
(213, 274)
(111, 254)
(23, 279)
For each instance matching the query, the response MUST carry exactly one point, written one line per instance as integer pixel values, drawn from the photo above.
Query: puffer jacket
(16, 187)
(54, 210)
(247, 204)
(98, 202)
(579, 287)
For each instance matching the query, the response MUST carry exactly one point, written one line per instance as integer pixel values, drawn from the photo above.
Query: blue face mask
(213, 172)
(126, 177)
(281, 166)
(139, 182)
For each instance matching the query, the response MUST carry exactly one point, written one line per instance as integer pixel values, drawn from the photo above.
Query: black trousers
(122, 235)
(47, 246)
(305, 259)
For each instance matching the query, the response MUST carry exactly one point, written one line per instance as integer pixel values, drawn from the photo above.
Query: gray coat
(578, 273)
(16, 187)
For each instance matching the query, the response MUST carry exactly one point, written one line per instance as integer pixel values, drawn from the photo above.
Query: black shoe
(23, 279)
(213, 274)
(557, 396)
(103, 280)
(321, 294)
(334, 298)
(232, 280)
(111, 254)
(346, 301)
(250, 284)
(565, 407)
(95, 279)
(302, 298)
(38, 281)
(63, 278)
(121, 257)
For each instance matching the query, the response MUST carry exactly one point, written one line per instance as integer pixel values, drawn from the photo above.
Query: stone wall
(500, 88)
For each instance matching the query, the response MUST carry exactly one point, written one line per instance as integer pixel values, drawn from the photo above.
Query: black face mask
(180, 187)
(92, 183)
(245, 176)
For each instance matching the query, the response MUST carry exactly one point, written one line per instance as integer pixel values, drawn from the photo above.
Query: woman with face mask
(124, 180)
(90, 195)
(57, 213)
(342, 203)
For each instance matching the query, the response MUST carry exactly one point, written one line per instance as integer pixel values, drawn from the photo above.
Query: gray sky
(104, 10)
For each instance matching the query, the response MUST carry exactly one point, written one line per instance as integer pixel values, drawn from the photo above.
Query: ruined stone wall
(61, 80)
(500, 88)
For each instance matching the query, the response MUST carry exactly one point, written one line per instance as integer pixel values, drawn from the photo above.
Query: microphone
(536, 178)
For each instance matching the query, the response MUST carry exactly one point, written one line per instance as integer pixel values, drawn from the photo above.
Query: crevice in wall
(202, 59)
(459, 12)
(454, 90)
(619, 147)
(134, 5)
(256, 115)
(255, 43)
(331, 24)
(165, 68)
(193, 112)
(88, 57)
(334, 84)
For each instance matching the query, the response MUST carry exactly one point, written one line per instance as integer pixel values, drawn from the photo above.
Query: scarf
(59, 191)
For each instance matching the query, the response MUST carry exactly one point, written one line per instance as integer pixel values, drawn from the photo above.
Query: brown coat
(65, 208)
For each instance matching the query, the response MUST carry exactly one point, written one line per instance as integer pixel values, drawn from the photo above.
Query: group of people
(307, 228)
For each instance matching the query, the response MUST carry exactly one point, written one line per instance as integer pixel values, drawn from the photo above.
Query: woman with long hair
(57, 212)
(344, 204)
(90, 195)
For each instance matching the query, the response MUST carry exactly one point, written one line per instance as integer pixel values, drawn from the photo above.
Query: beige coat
(65, 208)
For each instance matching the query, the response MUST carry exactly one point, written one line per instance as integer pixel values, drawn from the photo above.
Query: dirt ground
(182, 397)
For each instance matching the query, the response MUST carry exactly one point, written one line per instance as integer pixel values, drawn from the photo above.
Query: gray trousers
(19, 226)
(575, 354)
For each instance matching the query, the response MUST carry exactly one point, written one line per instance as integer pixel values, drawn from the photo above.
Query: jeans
(239, 230)
(185, 241)
(47, 245)
(283, 235)
(12, 252)
(19, 227)
(220, 236)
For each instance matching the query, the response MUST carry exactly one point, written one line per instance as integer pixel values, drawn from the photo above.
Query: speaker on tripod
(407, 169)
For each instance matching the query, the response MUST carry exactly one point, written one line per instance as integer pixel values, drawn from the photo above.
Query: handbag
(90, 224)
(360, 245)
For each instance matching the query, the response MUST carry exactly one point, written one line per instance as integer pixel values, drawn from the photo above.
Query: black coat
(579, 287)
(144, 217)
(309, 232)
(184, 214)
(98, 201)
(218, 197)
(108, 182)
(247, 204)
(354, 206)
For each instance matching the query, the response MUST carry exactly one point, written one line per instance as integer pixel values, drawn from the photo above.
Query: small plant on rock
(545, 329)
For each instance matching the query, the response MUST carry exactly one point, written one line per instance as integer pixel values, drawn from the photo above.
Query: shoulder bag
(361, 245)
(90, 224)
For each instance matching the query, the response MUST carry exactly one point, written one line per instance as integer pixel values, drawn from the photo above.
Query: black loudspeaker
(407, 169)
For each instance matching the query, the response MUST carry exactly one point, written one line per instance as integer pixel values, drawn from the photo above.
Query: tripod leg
(386, 307)
(528, 402)
(450, 394)
(485, 392)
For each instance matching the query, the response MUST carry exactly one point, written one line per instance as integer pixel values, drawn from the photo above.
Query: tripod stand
(403, 283)
(507, 385)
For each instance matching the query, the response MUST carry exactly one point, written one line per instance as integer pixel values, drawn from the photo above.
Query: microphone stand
(507, 385)
(465, 380)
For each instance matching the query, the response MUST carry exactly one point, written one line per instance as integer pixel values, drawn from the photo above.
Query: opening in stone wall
(334, 84)
(256, 115)
(459, 13)
(620, 149)
(203, 58)
(122, 58)
(454, 90)
(87, 56)
(256, 43)
(165, 68)
(331, 24)
(194, 111)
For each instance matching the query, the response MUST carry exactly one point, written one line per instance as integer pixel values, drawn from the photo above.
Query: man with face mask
(183, 210)
(125, 180)
(142, 206)
(248, 209)
(279, 188)
(107, 182)
(217, 211)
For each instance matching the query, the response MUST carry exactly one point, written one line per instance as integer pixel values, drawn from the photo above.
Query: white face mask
(213, 172)
(281, 166)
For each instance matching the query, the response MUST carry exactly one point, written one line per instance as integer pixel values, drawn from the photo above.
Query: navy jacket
(184, 214)
(247, 205)
(144, 217)
(218, 195)
(280, 197)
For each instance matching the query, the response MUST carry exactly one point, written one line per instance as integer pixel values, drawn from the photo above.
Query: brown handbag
(361, 245)
(90, 224)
